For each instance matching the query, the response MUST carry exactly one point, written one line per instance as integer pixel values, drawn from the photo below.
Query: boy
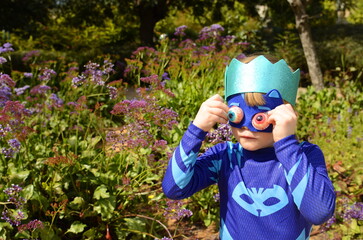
(271, 186)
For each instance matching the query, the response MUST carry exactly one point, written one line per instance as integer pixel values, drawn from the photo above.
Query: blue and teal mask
(254, 118)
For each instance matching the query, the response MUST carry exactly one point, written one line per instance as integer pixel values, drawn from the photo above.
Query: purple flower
(28, 75)
(216, 197)
(14, 148)
(210, 32)
(3, 60)
(12, 217)
(14, 197)
(221, 134)
(107, 67)
(5, 95)
(179, 31)
(14, 143)
(20, 91)
(4, 130)
(79, 80)
(32, 225)
(29, 55)
(46, 74)
(153, 79)
(5, 80)
(175, 211)
(113, 92)
(353, 211)
(39, 90)
(241, 56)
(13, 190)
(7, 47)
(56, 101)
(126, 106)
(94, 73)
(165, 76)
(216, 28)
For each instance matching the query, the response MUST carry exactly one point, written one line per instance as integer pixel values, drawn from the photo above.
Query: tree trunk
(302, 25)
(150, 14)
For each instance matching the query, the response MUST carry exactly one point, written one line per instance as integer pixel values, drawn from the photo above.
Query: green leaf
(77, 203)
(76, 227)
(101, 192)
(135, 224)
(105, 207)
(28, 191)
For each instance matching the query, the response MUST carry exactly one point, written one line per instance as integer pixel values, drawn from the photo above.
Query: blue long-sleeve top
(272, 193)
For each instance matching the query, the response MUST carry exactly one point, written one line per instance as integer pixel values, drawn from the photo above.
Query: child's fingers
(284, 120)
(217, 106)
(283, 112)
(212, 111)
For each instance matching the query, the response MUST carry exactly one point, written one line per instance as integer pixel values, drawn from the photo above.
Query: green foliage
(90, 166)
(333, 118)
(356, 13)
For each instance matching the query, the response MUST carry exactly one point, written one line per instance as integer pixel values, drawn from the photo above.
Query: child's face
(253, 141)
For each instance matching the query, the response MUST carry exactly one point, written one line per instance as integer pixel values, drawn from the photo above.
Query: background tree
(24, 15)
(302, 25)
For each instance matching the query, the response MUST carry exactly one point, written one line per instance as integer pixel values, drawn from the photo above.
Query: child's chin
(250, 147)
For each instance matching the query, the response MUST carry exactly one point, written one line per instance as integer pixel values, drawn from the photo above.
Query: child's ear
(275, 95)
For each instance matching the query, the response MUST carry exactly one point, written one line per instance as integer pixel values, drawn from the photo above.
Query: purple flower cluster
(145, 51)
(4, 130)
(14, 216)
(157, 84)
(221, 134)
(216, 197)
(179, 31)
(128, 106)
(210, 32)
(46, 74)
(175, 211)
(21, 90)
(94, 74)
(40, 90)
(30, 54)
(32, 225)
(6, 85)
(113, 91)
(354, 211)
(7, 47)
(131, 136)
(13, 149)
(328, 224)
(145, 123)
(12, 129)
(3, 60)
(56, 101)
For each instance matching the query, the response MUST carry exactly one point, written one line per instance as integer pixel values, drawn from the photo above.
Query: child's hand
(284, 121)
(212, 111)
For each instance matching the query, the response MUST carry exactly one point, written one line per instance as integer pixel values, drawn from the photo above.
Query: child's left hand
(284, 121)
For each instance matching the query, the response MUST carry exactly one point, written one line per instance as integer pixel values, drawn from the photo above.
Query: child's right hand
(212, 111)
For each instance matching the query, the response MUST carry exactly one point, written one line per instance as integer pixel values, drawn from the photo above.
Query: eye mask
(254, 118)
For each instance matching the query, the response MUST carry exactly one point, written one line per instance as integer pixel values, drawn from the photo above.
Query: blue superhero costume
(272, 193)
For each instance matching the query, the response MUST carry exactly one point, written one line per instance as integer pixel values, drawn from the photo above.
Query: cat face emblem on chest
(260, 202)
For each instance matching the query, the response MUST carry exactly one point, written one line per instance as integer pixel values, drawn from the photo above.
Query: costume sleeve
(186, 173)
(307, 176)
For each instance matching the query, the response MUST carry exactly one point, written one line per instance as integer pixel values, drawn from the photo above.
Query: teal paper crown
(260, 75)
